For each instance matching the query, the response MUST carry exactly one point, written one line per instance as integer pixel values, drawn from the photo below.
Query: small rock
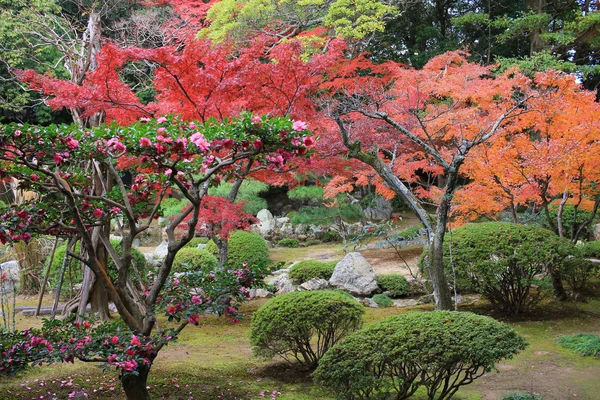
(355, 275)
(283, 284)
(259, 293)
(161, 250)
(406, 303)
(314, 284)
(266, 221)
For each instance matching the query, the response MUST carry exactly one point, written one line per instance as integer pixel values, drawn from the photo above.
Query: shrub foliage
(193, 259)
(308, 269)
(439, 350)
(395, 284)
(304, 325)
(244, 248)
(503, 261)
(584, 344)
(382, 300)
(288, 242)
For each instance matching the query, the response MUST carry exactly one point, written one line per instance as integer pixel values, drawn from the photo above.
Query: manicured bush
(138, 261)
(244, 248)
(576, 271)
(193, 259)
(584, 344)
(382, 300)
(439, 350)
(591, 249)
(331, 236)
(288, 242)
(196, 241)
(395, 284)
(503, 261)
(521, 396)
(304, 325)
(308, 269)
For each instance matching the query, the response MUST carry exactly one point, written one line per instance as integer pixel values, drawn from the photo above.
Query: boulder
(283, 284)
(314, 284)
(406, 303)
(286, 229)
(266, 221)
(161, 250)
(380, 210)
(282, 220)
(259, 293)
(355, 275)
(596, 231)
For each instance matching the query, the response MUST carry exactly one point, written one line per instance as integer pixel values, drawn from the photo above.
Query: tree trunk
(557, 286)
(135, 385)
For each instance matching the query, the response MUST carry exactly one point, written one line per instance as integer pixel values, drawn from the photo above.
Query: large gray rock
(259, 293)
(286, 229)
(314, 284)
(283, 284)
(267, 222)
(355, 275)
(380, 210)
(161, 250)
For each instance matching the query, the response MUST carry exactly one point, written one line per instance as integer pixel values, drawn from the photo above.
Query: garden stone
(300, 229)
(314, 284)
(281, 271)
(282, 220)
(283, 284)
(381, 210)
(596, 231)
(259, 293)
(286, 229)
(368, 302)
(406, 303)
(161, 250)
(355, 275)
(266, 221)
(137, 242)
(201, 246)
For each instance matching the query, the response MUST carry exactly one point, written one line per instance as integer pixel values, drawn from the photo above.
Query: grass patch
(584, 344)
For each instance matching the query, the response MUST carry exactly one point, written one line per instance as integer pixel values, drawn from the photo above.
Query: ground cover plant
(308, 269)
(582, 343)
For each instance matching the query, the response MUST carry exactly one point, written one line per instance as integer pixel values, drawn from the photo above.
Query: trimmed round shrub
(194, 259)
(196, 241)
(395, 284)
(308, 269)
(302, 326)
(288, 242)
(503, 262)
(591, 249)
(576, 271)
(331, 236)
(244, 248)
(439, 350)
(382, 300)
(138, 261)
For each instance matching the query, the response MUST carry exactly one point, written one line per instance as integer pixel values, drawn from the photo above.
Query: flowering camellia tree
(58, 162)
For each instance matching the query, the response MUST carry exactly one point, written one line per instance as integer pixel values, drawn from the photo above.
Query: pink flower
(256, 120)
(72, 143)
(49, 346)
(192, 125)
(196, 300)
(120, 147)
(171, 310)
(114, 339)
(135, 341)
(309, 141)
(145, 119)
(34, 177)
(130, 365)
(193, 319)
(199, 140)
(299, 126)
(160, 131)
(258, 144)
(161, 120)
(175, 281)
(18, 133)
(97, 213)
(296, 141)
(145, 142)
(58, 158)
(86, 324)
(112, 358)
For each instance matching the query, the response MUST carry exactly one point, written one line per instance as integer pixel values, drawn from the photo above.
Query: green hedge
(591, 249)
(288, 242)
(395, 284)
(393, 358)
(308, 269)
(304, 325)
(193, 259)
(244, 248)
(382, 300)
